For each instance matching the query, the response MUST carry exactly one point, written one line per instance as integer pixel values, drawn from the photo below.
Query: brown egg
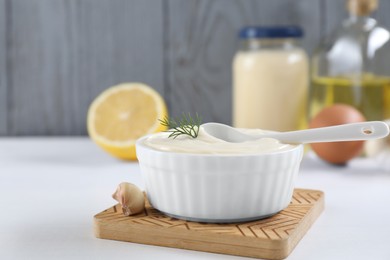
(337, 152)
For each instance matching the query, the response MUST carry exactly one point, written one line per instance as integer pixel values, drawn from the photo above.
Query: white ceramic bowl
(219, 188)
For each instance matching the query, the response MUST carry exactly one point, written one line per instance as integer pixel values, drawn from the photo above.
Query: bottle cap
(250, 32)
(362, 7)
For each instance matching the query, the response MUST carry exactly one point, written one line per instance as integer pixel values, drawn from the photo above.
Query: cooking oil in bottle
(370, 95)
(352, 65)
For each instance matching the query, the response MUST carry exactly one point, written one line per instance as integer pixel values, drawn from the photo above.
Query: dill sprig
(184, 125)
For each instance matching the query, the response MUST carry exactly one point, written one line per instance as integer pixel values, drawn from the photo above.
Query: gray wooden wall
(57, 55)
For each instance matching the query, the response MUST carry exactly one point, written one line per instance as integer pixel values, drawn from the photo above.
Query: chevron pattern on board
(288, 225)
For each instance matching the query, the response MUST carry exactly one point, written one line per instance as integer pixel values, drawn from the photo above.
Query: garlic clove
(373, 148)
(378, 150)
(130, 197)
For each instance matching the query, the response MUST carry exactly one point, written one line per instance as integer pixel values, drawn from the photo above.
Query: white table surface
(50, 189)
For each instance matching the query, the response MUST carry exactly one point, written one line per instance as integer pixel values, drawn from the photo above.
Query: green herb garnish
(185, 125)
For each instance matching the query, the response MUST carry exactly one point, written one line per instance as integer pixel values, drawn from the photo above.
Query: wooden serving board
(273, 238)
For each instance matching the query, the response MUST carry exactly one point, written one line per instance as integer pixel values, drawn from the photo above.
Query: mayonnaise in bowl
(205, 143)
(210, 180)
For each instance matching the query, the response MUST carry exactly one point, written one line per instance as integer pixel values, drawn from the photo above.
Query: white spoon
(347, 132)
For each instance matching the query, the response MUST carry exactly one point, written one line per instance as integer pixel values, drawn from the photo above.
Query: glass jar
(352, 65)
(270, 79)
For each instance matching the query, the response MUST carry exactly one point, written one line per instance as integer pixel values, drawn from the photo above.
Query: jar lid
(250, 32)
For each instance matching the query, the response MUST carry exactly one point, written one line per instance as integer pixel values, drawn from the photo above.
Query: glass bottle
(270, 79)
(352, 65)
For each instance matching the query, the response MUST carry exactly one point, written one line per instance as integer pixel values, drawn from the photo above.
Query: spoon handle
(348, 132)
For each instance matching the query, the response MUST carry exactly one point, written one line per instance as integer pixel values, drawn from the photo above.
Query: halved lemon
(122, 114)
